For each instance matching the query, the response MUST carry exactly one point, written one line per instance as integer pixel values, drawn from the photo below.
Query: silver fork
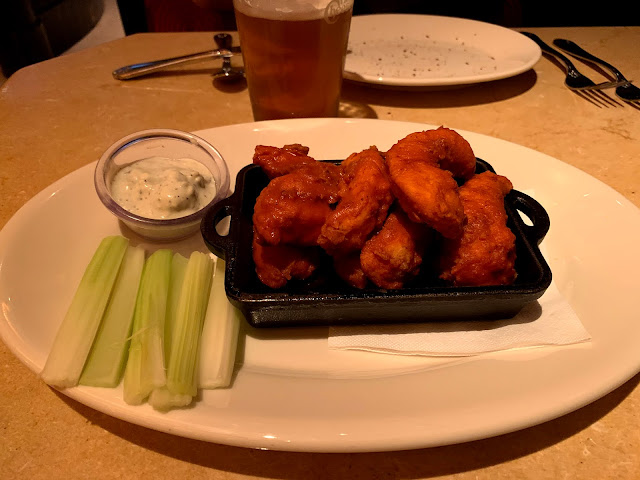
(626, 91)
(575, 80)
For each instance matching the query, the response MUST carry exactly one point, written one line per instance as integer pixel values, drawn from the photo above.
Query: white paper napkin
(549, 321)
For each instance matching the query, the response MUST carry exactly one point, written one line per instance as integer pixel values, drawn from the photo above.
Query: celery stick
(108, 354)
(219, 336)
(145, 366)
(163, 400)
(194, 296)
(178, 269)
(75, 336)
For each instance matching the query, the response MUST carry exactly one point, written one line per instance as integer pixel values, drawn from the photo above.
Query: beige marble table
(61, 114)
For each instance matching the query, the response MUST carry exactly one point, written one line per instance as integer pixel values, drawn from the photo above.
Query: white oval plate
(292, 393)
(427, 51)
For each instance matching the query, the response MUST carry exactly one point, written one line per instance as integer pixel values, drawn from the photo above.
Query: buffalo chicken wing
(365, 198)
(485, 253)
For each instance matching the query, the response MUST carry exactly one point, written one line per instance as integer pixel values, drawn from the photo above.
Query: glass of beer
(294, 53)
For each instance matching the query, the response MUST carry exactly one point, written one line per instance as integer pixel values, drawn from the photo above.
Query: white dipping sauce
(159, 187)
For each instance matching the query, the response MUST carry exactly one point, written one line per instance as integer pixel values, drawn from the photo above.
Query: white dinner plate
(428, 51)
(290, 391)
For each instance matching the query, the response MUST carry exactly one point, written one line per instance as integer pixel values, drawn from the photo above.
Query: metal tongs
(146, 68)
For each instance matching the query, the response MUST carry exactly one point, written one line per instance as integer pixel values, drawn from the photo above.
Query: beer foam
(292, 9)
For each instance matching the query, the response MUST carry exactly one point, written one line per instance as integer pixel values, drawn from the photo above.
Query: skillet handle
(220, 245)
(535, 212)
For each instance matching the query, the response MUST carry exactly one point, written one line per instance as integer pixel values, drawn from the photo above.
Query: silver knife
(140, 69)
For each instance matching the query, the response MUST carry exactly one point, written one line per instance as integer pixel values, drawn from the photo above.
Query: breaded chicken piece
(443, 147)
(422, 167)
(365, 199)
(428, 195)
(276, 161)
(276, 265)
(348, 268)
(394, 255)
(485, 254)
(292, 208)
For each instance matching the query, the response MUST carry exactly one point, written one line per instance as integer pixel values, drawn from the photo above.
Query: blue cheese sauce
(160, 188)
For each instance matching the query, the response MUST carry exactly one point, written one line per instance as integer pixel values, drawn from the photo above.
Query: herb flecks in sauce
(159, 187)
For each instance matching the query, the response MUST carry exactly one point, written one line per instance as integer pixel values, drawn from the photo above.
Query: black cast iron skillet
(325, 299)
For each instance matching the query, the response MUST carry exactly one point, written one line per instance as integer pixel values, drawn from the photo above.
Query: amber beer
(293, 59)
